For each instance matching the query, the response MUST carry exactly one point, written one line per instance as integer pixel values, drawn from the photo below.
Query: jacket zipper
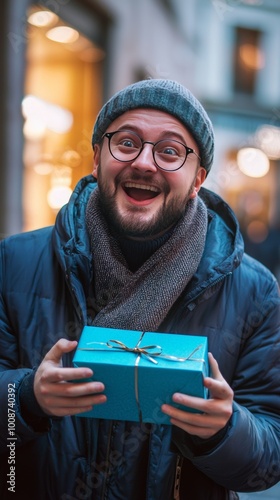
(179, 463)
(180, 459)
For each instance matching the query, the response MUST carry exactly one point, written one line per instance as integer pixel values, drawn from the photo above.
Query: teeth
(141, 186)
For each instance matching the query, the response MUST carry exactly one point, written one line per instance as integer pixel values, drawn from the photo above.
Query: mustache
(144, 178)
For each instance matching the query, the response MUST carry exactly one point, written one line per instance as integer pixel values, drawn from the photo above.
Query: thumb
(217, 385)
(61, 347)
(214, 367)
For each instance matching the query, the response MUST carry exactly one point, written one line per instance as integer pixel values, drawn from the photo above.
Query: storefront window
(248, 61)
(63, 93)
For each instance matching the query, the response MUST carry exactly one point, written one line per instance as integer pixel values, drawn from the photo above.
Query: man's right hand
(53, 387)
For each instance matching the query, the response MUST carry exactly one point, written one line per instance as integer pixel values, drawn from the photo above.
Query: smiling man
(136, 178)
(140, 188)
(140, 246)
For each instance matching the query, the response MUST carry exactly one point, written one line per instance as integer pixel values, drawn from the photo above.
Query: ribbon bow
(140, 351)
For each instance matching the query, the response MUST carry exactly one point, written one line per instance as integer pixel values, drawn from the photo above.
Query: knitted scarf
(141, 300)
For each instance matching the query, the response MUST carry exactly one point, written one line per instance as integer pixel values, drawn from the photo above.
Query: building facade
(225, 51)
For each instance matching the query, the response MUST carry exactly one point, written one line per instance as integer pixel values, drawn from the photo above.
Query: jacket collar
(223, 251)
(224, 247)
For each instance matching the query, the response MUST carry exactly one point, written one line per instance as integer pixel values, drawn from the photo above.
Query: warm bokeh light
(46, 115)
(34, 129)
(63, 34)
(43, 168)
(252, 162)
(257, 231)
(58, 196)
(251, 56)
(42, 18)
(71, 158)
(268, 138)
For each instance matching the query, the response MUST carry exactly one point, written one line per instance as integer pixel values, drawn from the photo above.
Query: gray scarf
(141, 300)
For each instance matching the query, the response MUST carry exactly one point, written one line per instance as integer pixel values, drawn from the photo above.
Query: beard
(132, 224)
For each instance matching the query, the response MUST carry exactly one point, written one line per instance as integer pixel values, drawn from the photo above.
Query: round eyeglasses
(168, 154)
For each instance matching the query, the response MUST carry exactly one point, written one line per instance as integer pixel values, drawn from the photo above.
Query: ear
(96, 159)
(198, 181)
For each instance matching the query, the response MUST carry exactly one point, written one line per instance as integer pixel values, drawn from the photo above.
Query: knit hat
(164, 95)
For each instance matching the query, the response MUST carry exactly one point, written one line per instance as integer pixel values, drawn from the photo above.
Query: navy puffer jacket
(45, 286)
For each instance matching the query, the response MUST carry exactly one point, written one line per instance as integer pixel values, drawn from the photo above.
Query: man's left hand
(216, 411)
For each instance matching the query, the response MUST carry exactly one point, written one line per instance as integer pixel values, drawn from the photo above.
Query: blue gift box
(141, 371)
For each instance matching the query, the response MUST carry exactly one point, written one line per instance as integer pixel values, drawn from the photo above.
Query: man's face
(138, 199)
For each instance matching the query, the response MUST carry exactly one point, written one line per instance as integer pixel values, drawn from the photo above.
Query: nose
(145, 160)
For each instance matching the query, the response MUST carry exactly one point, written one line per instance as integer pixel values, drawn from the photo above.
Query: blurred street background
(62, 59)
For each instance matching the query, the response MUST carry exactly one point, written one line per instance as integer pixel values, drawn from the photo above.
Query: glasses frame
(188, 150)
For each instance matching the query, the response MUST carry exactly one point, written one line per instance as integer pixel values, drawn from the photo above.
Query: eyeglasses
(168, 154)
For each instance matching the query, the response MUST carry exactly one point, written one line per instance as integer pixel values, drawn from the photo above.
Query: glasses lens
(125, 145)
(169, 154)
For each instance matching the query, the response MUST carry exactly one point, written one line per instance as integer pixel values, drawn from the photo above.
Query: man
(145, 248)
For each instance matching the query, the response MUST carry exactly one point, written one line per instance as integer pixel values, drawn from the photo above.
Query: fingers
(74, 390)
(203, 406)
(218, 389)
(90, 400)
(51, 369)
(55, 388)
(217, 385)
(61, 347)
(204, 424)
(215, 412)
(193, 423)
(66, 412)
(189, 401)
(53, 375)
(65, 398)
(61, 407)
(214, 367)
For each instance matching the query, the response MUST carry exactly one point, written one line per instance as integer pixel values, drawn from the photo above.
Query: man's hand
(53, 387)
(216, 411)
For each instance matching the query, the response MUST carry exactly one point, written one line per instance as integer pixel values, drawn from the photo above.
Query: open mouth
(140, 192)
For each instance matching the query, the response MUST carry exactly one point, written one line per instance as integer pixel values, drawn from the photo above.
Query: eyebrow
(164, 134)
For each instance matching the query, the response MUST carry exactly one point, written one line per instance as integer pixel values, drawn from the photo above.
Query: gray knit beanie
(164, 95)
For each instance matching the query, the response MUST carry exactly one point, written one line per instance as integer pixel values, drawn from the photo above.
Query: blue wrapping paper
(141, 370)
